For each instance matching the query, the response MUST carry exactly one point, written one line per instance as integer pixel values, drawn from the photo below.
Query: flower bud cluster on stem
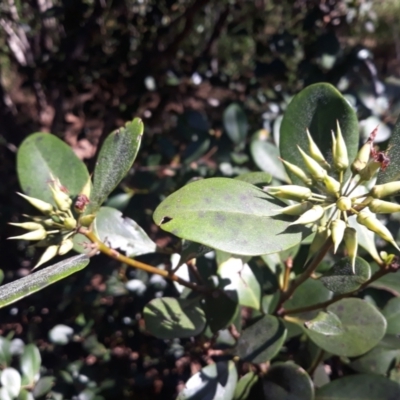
(326, 201)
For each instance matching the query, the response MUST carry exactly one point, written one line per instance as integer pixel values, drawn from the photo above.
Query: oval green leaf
(266, 157)
(122, 233)
(42, 155)
(391, 312)
(235, 123)
(377, 361)
(317, 107)
(240, 282)
(14, 291)
(229, 215)
(169, 318)
(116, 157)
(287, 381)
(340, 278)
(326, 323)
(392, 172)
(364, 326)
(30, 364)
(360, 387)
(262, 340)
(213, 382)
(244, 386)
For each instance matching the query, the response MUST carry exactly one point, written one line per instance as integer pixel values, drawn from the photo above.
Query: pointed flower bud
(331, 185)
(334, 149)
(49, 253)
(45, 208)
(29, 226)
(340, 158)
(362, 158)
(87, 220)
(383, 207)
(337, 227)
(38, 234)
(290, 192)
(316, 171)
(295, 170)
(351, 243)
(369, 171)
(374, 225)
(344, 203)
(70, 223)
(65, 247)
(315, 152)
(297, 209)
(321, 236)
(62, 200)
(310, 216)
(386, 189)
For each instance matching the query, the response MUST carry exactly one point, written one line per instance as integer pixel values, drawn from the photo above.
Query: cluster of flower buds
(326, 200)
(58, 224)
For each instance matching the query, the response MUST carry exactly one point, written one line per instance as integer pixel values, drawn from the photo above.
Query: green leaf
(266, 157)
(377, 361)
(317, 107)
(392, 172)
(5, 353)
(389, 282)
(228, 215)
(262, 340)
(169, 318)
(43, 386)
(287, 381)
(122, 233)
(391, 312)
(220, 310)
(30, 364)
(326, 323)
(116, 157)
(255, 178)
(244, 386)
(360, 387)
(11, 380)
(340, 278)
(240, 282)
(307, 294)
(14, 291)
(235, 123)
(41, 155)
(213, 382)
(364, 326)
(23, 395)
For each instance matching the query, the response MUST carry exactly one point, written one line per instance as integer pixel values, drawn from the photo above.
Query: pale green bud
(38, 234)
(344, 203)
(334, 149)
(369, 170)
(298, 172)
(62, 200)
(337, 227)
(29, 226)
(315, 152)
(383, 207)
(65, 247)
(351, 243)
(362, 158)
(320, 238)
(332, 185)
(41, 205)
(69, 223)
(297, 209)
(87, 220)
(310, 216)
(49, 253)
(340, 158)
(376, 226)
(316, 171)
(387, 189)
(87, 188)
(290, 192)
